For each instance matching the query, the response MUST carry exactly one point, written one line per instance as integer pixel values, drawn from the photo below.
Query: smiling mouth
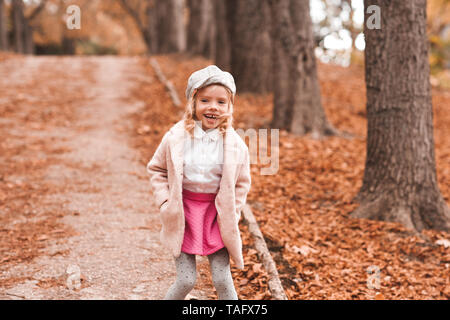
(211, 116)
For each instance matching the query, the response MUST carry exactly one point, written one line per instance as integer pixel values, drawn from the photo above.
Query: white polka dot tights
(187, 274)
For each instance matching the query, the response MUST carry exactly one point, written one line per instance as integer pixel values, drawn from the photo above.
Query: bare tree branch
(36, 10)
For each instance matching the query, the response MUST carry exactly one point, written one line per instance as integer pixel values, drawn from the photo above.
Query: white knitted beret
(209, 75)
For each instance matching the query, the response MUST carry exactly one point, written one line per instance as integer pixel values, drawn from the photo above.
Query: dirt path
(104, 190)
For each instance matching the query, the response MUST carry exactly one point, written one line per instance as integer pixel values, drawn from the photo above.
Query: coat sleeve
(243, 183)
(157, 168)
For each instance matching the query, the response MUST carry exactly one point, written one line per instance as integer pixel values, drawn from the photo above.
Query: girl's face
(211, 101)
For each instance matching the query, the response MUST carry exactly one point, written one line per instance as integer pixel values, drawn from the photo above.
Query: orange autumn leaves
(303, 210)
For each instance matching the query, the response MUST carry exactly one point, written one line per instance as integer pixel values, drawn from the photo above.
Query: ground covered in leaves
(303, 210)
(26, 221)
(76, 216)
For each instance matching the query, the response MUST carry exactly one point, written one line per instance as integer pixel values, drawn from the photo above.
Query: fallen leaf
(443, 242)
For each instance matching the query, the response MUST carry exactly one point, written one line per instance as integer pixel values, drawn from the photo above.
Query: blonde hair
(226, 119)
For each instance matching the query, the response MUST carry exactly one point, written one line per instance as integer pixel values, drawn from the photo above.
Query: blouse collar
(210, 134)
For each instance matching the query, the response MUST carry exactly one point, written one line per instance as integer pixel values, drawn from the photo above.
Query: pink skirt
(201, 233)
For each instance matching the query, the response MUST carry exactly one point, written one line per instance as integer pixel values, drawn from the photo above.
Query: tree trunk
(210, 50)
(18, 24)
(297, 101)
(251, 58)
(171, 29)
(3, 27)
(29, 47)
(399, 181)
(223, 50)
(201, 27)
(162, 30)
(147, 28)
(151, 33)
(178, 31)
(68, 45)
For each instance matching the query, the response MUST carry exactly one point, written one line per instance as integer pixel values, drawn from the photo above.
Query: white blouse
(203, 160)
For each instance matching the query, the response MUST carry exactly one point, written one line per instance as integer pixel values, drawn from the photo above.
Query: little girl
(200, 177)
